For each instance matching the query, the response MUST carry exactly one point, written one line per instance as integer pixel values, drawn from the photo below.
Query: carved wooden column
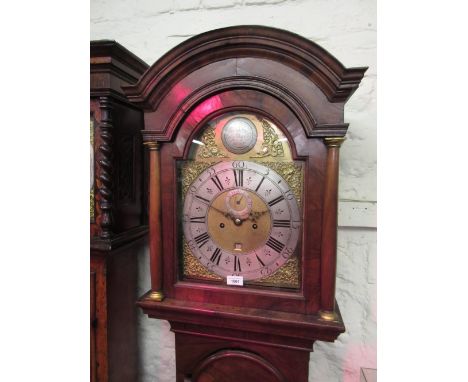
(329, 229)
(106, 167)
(155, 243)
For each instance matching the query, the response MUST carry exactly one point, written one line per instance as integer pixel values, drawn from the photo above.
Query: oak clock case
(243, 127)
(118, 223)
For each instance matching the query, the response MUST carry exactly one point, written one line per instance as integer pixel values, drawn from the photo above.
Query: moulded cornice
(108, 56)
(335, 81)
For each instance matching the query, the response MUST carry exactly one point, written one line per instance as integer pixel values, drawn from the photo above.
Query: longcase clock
(118, 223)
(243, 127)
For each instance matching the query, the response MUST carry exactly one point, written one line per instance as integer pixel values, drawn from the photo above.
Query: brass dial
(241, 218)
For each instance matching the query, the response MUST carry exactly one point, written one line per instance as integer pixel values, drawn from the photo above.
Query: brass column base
(327, 315)
(155, 296)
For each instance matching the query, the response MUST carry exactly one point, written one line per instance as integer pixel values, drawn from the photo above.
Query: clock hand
(220, 211)
(236, 220)
(226, 214)
(255, 215)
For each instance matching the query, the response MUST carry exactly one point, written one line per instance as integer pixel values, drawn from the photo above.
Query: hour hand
(228, 215)
(225, 213)
(254, 215)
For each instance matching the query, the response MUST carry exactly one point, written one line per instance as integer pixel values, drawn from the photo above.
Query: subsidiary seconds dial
(241, 218)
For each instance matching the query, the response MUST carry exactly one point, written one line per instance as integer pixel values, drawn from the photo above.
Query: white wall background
(347, 29)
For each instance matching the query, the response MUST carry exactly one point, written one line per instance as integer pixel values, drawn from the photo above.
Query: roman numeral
(202, 239)
(237, 266)
(216, 256)
(202, 199)
(260, 261)
(217, 183)
(259, 184)
(239, 177)
(197, 219)
(281, 223)
(275, 244)
(276, 200)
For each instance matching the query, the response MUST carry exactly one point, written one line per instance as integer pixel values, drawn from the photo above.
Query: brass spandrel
(193, 268)
(272, 145)
(287, 276)
(190, 170)
(209, 147)
(292, 173)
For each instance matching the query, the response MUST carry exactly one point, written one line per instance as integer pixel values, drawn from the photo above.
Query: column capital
(152, 145)
(334, 141)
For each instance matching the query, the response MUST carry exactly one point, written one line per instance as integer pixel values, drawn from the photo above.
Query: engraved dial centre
(239, 231)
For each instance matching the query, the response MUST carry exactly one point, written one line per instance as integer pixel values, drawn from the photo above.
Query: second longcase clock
(243, 127)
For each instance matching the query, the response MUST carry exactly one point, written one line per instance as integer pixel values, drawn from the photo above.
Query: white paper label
(235, 280)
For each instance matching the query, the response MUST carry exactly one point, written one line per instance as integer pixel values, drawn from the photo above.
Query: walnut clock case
(243, 127)
(118, 211)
